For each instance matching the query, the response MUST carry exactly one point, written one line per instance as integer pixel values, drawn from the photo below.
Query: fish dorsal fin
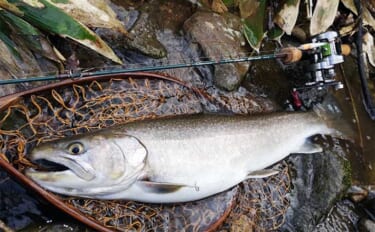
(162, 187)
(262, 173)
(309, 148)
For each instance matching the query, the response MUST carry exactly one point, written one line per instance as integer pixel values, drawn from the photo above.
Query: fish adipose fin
(262, 173)
(162, 187)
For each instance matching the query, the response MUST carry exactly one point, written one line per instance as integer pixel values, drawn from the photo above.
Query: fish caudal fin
(332, 115)
(309, 148)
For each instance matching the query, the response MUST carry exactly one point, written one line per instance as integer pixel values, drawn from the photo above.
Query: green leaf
(31, 36)
(275, 34)
(253, 24)
(48, 17)
(323, 16)
(287, 16)
(8, 42)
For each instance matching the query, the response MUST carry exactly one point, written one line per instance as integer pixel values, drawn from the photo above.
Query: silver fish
(175, 160)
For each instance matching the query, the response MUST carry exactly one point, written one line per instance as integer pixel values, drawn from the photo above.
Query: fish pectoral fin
(162, 187)
(309, 148)
(262, 173)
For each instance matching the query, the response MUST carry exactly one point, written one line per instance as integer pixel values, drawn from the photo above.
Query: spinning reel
(318, 60)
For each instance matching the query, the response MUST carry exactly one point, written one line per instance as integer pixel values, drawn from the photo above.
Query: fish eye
(76, 148)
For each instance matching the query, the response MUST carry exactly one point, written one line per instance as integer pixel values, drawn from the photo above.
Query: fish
(177, 159)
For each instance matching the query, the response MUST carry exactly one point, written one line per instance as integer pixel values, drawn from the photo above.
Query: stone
(319, 181)
(218, 40)
(366, 225)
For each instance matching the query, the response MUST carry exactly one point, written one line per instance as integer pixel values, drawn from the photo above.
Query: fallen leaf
(53, 20)
(248, 8)
(368, 19)
(253, 25)
(323, 16)
(286, 18)
(350, 5)
(31, 37)
(368, 48)
(218, 6)
(92, 13)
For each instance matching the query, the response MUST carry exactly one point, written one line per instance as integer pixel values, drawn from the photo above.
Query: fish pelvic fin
(162, 187)
(262, 173)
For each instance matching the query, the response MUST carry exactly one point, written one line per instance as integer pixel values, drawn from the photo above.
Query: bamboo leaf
(253, 22)
(48, 17)
(30, 36)
(16, 58)
(286, 18)
(92, 13)
(9, 55)
(323, 16)
(8, 42)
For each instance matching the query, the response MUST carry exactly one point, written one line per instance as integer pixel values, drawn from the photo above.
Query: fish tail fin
(331, 113)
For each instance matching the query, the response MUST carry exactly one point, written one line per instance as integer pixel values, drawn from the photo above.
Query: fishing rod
(287, 54)
(321, 56)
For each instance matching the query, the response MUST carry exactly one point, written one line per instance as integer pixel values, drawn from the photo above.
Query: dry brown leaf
(286, 18)
(248, 7)
(323, 16)
(368, 48)
(92, 13)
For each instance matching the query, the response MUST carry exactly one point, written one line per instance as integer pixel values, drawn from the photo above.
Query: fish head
(91, 164)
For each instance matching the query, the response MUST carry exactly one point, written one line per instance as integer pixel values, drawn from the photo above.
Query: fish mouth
(53, 166)
(44, 165)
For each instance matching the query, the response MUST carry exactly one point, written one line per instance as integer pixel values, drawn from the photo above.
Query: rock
(342, 217)
(218, 41)
(319, 180)
(145, 40)
(18, 208)
(142, 30)
(366, 225)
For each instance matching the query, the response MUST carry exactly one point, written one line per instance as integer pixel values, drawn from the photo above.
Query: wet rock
(17, 207)
(52, 226)
(366, 225)
(342, 217)
(218, 41)
(142, 31)
(144, 38)
(318, 181)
